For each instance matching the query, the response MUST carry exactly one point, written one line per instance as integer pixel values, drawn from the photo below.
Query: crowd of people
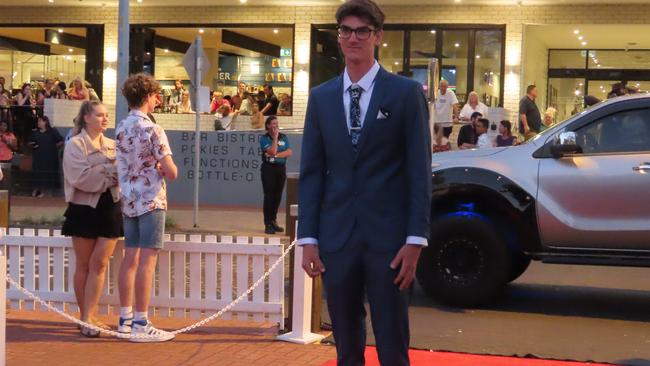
(474, 132)
(227, 108)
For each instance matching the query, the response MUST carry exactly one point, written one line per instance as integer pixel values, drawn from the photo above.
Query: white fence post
(302, 288)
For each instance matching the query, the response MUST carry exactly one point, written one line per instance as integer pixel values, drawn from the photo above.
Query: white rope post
(301, 317)
(3, 307)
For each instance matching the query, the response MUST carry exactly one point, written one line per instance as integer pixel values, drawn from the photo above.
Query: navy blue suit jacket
(382, 189)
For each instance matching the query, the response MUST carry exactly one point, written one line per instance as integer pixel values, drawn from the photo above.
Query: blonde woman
(78, 90)
(473, 105)
(93, 218)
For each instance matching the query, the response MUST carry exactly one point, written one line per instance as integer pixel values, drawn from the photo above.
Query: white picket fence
(196, 274)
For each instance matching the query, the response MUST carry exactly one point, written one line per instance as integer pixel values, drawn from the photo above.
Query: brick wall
(514, 17)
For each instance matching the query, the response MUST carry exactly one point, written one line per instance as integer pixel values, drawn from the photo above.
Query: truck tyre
(466, 264)
(518, 265)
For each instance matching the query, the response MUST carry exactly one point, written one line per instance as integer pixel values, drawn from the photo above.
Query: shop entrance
(570, 62)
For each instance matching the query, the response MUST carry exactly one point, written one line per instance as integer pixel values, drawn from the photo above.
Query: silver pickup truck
(578, 193)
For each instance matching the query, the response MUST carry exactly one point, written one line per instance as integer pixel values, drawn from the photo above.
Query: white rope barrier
(200, 323)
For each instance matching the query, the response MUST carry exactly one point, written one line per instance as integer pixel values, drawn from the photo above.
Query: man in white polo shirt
(446, 108)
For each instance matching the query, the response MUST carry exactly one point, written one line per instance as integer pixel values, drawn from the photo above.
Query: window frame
(406, 57)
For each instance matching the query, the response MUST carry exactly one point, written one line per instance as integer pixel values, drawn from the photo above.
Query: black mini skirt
(103, 221)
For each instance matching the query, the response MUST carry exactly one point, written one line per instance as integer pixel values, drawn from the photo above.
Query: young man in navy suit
(365, 191)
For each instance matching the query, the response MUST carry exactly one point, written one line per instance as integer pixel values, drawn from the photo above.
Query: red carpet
(426, 358)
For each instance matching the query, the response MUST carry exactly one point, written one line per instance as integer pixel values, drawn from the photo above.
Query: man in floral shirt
(144, 160)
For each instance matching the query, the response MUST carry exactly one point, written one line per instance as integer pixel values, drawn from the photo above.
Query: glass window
(46, 54)
(567, 59)
(487, 66)
(391, 51)
(627, 131)
(241, 60)
(600, 88)
(455, 49)
(619, 59)
(566, 96)
(423, 49)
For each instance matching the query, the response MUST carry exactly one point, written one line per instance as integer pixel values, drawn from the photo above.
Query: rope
(200, 323)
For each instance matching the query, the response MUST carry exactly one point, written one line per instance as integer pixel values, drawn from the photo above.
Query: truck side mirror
(565, 143)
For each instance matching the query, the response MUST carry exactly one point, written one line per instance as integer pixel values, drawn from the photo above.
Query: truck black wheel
(518, 265)
(466, 263)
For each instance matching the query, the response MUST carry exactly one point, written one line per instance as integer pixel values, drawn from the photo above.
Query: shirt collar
(365, 82)
(137, 112)
(89, 143)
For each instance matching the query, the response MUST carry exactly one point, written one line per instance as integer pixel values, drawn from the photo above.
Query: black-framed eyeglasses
(362, 33)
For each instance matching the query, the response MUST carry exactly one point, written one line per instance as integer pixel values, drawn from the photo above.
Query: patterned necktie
(355, 114)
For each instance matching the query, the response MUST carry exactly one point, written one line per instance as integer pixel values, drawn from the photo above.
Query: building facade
(518, 67)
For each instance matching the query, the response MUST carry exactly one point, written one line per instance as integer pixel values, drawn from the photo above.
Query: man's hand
(275, 132)
(311, 261)
(407, 261)
(526, 129)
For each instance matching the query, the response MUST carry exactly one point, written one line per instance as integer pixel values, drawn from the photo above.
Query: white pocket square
(380, 115)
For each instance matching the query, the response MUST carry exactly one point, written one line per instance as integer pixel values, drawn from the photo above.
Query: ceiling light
(580, 37)
(243, 1)
(456, 45)
(638, 85)
(166, 50)
(457, 1)
(584, 43)
(275, 31)
(385, 45)
(581, 84)
(70, 50)
(139, 1)
(60, 74)
(50, 1)
(19, 62)
(478, 56)
(201, 31)
(595, 61)
(576, 31)
(491, 73)
(601, 86)
(433, 31)
(396, 62)
(148, 53)
(577, 92)
(598, 65)
(60, 30)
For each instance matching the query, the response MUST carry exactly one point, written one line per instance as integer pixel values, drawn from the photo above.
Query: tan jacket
(89, 170)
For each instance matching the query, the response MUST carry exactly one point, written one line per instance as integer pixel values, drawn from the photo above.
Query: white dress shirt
(367, 84)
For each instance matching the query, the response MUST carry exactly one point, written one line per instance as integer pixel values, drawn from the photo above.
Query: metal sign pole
(197, 128)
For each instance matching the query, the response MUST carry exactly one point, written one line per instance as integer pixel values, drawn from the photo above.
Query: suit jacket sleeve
(312, 172)
(418, 163)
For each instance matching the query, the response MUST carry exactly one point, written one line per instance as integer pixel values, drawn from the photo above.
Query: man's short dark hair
(267, 86)
(364, 9)
(530, 88)
(485, 122)
(476, 115)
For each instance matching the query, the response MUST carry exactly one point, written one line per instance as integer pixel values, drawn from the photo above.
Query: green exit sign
(285, 52)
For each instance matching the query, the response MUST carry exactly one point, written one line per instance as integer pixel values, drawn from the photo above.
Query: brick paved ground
(40, 338)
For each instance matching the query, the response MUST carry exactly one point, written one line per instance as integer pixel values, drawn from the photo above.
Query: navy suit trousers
(351, 273)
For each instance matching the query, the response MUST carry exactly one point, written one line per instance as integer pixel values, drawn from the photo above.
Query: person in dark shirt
(271, 102)
(530, 120)
(467, 136)
(505, 137)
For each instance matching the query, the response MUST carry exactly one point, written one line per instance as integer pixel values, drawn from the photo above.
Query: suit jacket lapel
(378, 93)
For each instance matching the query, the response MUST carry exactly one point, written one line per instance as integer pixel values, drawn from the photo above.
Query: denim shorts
(145, 231)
